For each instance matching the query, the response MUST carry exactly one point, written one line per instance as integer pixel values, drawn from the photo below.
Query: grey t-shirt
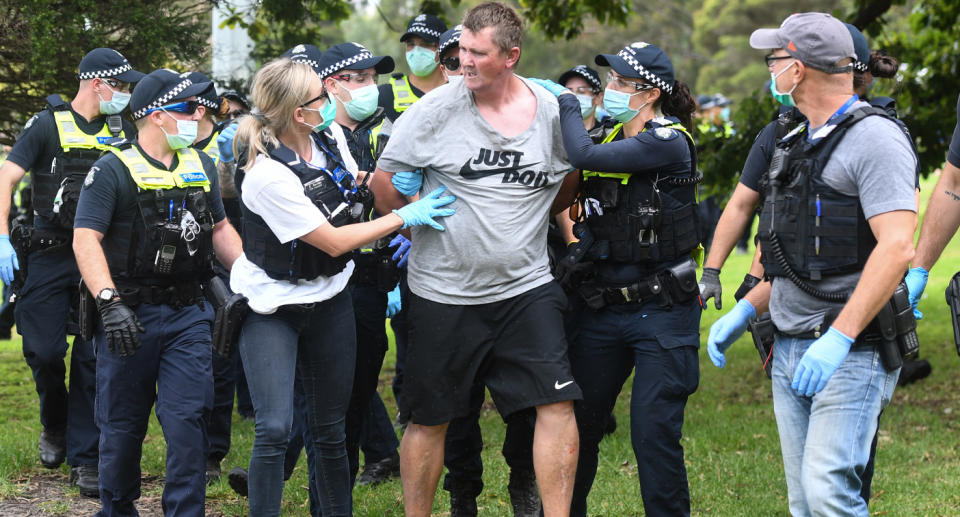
(875, 162)
(495, 246)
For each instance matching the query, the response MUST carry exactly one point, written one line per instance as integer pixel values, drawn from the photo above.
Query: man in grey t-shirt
(484, 307)
(838, 217)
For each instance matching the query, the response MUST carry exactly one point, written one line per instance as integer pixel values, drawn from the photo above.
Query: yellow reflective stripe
(211, 149)
(188, 173)
(71, 137)
(403, 96)
(622, 176)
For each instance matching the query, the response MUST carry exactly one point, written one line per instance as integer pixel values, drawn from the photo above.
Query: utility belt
(176, 296)
(674, 285)
(376, 267)
(893, 331)
(26, 239)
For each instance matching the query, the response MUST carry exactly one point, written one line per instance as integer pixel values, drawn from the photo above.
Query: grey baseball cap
(818, 40)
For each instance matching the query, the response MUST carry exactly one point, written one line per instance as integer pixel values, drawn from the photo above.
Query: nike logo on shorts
(558, 386)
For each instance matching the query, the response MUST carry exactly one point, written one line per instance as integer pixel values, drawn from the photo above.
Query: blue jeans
(825, 439)
(320, 346)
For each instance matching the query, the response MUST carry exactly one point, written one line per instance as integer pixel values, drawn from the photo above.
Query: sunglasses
(771, 59)
(117, 85)
(451, 63)
(188, 107)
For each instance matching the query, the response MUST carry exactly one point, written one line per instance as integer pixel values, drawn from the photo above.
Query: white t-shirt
(274, 192)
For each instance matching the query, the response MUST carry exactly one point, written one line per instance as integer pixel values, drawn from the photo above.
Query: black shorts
(516, 347)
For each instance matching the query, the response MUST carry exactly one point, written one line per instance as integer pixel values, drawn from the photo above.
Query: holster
(87, 313)
(898, 329)
(764, 334)
(229, 311)
(953, 300)
(21, 238)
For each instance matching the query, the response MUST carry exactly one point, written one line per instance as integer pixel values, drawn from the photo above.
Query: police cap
(641, 60)
(588, 74)
(162, 87)
(449, 38)
(426, 26)
(352, 56)
(306, 53)
(106, 62)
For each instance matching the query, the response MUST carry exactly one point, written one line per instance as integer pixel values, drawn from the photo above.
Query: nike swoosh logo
(470, 173)
(558, 386)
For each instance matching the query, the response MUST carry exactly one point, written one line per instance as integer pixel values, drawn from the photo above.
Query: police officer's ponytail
(680, 104)
(279, 88)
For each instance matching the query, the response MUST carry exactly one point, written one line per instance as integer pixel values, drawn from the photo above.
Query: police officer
(585, 83)
(349, 72)
(300, 202)
(854, 169)
(421, 40)
(58, 145)
(642, 310)
(237, 104)
(148, 223)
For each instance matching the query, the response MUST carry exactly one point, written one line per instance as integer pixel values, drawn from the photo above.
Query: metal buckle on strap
(625, 292)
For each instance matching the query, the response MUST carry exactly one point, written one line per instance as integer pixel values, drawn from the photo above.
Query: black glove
(749, 282)
(710, 287)
(121, 327)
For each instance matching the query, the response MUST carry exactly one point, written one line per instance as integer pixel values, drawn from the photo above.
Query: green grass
(730, 436)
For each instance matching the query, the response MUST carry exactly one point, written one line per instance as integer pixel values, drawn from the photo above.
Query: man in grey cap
(58, 145)
(852, 168)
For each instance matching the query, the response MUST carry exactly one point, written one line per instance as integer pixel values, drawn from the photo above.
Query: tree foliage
(43, 41)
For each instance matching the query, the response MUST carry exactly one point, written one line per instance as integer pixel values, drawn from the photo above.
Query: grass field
(730, 437)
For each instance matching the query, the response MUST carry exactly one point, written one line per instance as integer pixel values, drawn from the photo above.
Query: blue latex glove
(549, 85)
(393, 302)
(728, 329)
(820, 361)
(916, 281)
(426, 209)
(225, 143)
(8, 260)
(408, 183)
(403, 252)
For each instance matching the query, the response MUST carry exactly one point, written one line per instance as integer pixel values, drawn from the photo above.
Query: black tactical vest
(333, 190)
(646, 219)
(816, 230)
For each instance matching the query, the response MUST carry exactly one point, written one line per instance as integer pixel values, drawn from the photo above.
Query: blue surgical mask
(783, 98)
(327, 113)
(618, 104)
(363, 101)
(586, 105)
(186, 133)
(725, 114)
(422, 61)
(115, 104)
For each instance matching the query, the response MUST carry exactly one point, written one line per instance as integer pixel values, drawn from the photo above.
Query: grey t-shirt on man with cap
(875, 162)
(495, 246)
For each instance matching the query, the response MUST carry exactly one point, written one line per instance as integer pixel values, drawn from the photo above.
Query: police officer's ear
(653, 95)
(331, 85)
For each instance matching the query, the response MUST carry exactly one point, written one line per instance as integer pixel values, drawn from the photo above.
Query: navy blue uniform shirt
(109, 193)
(39, 143)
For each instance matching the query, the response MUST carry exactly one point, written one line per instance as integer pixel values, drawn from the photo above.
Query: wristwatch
(105, 295)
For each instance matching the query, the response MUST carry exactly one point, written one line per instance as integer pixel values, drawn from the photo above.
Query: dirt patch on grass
(51, 494)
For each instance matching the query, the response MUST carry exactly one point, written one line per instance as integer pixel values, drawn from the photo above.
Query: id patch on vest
(193, 177)
(91, 176)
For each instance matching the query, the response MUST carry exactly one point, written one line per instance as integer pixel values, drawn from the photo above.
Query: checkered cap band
(582, 71)
(344, 63)
(646, 74)
(163, 99)
(426, 31)
(860, 67)
(203, 101)
(313, 64)
(113, 72)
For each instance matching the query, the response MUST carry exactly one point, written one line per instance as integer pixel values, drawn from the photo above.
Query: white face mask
(115, 104)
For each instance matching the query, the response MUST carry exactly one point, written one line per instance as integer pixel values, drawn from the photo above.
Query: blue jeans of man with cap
(172, 368)
(42, 312)
(825, 439)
